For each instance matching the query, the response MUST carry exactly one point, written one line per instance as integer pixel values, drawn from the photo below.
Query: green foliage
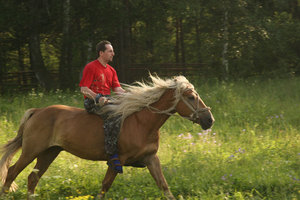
(252, 151)
(263, 37)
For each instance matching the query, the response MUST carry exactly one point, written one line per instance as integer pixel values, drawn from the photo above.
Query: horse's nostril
(210, 120)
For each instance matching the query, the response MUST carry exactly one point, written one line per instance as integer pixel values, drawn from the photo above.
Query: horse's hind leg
(44, 160)
(14, 170)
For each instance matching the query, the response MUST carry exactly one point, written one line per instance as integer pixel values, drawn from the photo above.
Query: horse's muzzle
(206, 121)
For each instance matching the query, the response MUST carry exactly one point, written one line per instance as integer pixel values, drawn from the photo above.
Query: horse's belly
(87, 143)
(91, 155)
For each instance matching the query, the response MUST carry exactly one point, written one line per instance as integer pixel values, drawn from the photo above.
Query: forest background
(228, 39)
(243, 56)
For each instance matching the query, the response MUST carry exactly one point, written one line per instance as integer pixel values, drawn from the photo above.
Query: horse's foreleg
(154, 167)
(107, 181)
(43, 162)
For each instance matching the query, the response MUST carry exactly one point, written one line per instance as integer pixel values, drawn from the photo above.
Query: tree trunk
(177, 43)
(121, 51)
(198, 41)
(37, 63)
(225, 46)
(2, 70)
(65, 66)
(295, 8)
(125, 42)
(36, 59)
(21, 60)
(181, 38)
(20, 54)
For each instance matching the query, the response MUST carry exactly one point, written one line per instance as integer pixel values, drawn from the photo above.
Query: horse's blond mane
(143, 94)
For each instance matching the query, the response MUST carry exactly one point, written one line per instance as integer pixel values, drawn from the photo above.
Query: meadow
(252, 151)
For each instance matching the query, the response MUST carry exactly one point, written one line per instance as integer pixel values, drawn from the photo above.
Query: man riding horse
(139, 114)
(97, 81)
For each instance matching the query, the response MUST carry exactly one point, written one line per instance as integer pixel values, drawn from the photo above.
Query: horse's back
(73, 129)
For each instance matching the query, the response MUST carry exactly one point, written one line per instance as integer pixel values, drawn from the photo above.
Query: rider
(97, 81)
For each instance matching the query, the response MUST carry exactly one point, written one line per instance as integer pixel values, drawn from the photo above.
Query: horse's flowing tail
(11, 148)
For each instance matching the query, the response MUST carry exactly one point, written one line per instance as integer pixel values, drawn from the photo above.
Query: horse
(45, 132)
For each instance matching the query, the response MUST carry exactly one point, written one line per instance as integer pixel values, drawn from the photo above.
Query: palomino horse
(145, 107)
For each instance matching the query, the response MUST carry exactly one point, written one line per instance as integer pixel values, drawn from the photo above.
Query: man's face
(108, 54)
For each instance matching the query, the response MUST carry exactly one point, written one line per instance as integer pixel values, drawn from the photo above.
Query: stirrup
(115, 163)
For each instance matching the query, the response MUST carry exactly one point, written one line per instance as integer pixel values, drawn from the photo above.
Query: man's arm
(118, 90)
(88, 92)
(92, 95)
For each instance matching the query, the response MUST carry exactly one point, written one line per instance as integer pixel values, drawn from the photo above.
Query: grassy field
(252, 151)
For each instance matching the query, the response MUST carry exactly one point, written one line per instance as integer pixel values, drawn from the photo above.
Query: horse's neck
(155, 118)
(165, 102)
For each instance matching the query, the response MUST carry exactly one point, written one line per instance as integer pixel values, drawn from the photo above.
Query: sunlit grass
(252, 151)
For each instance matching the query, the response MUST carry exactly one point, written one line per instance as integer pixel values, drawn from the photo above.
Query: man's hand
(102, 101)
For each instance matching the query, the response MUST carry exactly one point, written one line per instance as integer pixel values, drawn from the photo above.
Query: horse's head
(193, 108)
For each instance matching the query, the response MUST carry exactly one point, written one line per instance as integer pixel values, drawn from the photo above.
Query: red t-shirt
(98, 78)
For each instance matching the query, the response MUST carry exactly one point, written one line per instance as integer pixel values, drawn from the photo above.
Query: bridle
(196, 112)
(194, 116)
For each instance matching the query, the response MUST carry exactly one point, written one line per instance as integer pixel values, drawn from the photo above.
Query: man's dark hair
(101, 46)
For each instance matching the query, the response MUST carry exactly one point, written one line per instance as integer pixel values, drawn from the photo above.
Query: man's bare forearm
(88, 92)
(119, 90)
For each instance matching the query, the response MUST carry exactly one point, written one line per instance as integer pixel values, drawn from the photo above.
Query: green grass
(252, 151)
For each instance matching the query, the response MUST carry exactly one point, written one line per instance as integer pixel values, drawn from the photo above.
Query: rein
(193, 116)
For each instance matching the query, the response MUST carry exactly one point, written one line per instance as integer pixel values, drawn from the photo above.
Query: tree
(233, 39)
(65, 66)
